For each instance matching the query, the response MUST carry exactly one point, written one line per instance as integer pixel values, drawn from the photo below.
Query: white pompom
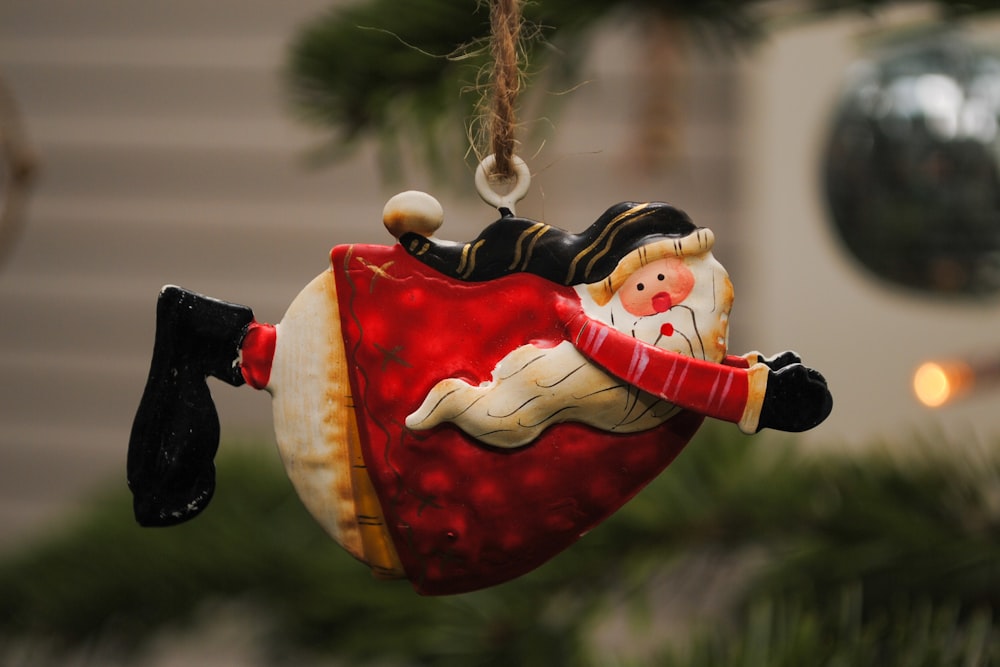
(412, 211)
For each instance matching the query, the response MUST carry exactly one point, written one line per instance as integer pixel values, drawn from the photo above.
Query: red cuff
(736, 362)
(571, 316)
(257, 354)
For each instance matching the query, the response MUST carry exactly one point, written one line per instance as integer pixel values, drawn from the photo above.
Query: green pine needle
(840, 561)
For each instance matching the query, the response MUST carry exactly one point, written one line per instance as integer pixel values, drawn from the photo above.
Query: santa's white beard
(533, 388)
(686, 338)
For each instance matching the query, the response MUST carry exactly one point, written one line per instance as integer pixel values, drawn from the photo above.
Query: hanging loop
(518, 185)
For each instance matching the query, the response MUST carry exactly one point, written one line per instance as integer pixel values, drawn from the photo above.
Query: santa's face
(680, 304)
(656, 287)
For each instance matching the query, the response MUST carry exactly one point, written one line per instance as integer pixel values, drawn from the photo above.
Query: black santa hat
(514, 245)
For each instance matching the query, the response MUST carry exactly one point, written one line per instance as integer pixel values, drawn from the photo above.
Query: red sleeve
(715, 390)
(736, 362)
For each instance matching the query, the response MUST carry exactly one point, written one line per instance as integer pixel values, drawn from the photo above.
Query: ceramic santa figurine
(458, 413)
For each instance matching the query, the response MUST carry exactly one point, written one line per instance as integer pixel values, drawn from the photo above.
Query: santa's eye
(660, 277)
(640, 287)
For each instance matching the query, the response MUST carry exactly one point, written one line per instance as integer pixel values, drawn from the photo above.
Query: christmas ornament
(459, 413)
(912, 170)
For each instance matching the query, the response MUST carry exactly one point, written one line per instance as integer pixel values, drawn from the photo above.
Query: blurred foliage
(786, 560)
(415, 73)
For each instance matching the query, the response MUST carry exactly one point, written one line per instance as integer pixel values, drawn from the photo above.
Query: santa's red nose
(662, 302)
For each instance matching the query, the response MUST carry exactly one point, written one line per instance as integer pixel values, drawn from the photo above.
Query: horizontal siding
(167, 154)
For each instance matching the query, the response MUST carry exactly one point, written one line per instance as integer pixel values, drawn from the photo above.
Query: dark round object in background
(912, 167)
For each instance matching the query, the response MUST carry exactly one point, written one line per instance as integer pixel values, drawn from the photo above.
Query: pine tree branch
(412, 70)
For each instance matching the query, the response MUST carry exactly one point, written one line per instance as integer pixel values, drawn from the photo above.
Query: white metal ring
(522, 181)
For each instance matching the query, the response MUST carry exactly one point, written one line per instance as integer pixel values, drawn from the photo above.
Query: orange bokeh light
(936, 383)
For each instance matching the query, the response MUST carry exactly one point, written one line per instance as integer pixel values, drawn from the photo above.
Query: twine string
(505, 26)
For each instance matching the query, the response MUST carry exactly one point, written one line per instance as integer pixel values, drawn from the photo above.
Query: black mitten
(796, 399)
(780, 360)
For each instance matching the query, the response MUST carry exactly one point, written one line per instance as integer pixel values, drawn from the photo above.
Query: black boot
(176, 430)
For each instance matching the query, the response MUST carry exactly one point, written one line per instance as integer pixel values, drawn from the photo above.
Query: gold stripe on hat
(531, 247)
(418, 247)
(464, 259)
(599, 240)
(532, 232)
(469, 258)
(622, 222)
